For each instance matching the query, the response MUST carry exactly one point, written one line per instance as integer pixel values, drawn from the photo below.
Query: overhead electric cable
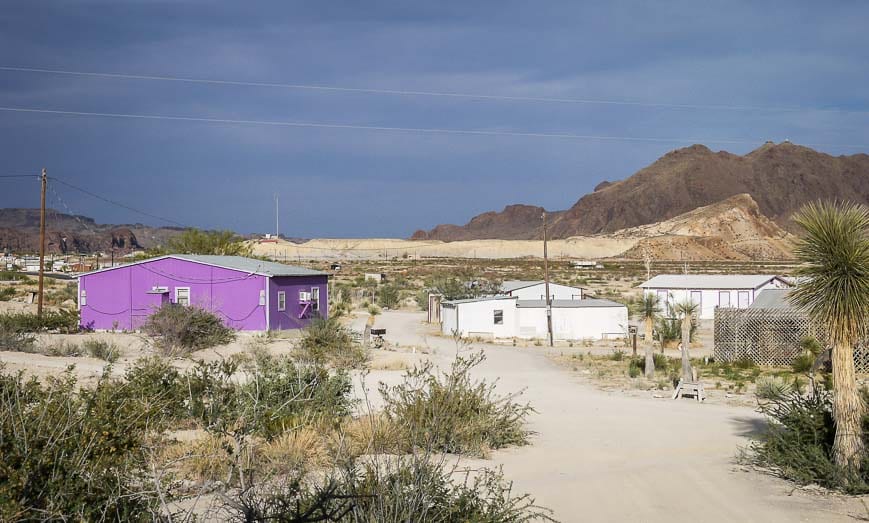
(443, 94)
(419, 130)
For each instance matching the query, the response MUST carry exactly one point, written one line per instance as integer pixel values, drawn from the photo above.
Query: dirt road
(604, 457)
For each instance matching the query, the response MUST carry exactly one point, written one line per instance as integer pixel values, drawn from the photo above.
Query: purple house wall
(242, 291)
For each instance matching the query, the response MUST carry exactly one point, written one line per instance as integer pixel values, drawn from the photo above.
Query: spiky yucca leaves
(649, 310)
(835, 292)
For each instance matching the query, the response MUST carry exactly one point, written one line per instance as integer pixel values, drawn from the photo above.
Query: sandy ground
(601, 456)
(578, 247)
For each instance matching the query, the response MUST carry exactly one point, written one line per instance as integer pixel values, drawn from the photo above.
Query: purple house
(248, 294)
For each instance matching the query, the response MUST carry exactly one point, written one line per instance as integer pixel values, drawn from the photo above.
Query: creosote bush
(451, 412)
(327, 342)
(181, 330)
(63, 321)
(798, 443)
(101, 349)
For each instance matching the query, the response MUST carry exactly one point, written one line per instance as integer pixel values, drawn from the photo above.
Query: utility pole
(546, 286)
(41, 244)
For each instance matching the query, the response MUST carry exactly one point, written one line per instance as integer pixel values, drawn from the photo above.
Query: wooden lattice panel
(769, 336)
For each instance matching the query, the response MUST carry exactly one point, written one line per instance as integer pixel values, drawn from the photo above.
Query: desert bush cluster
(63, 321)
(328, 342)
(798, 444)
(268, 439)
(180, 330)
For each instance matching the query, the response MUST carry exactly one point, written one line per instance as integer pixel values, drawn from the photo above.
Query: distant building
(586, 264)
(710, 291)
(247, 294)
(375, 276)
(536, 290)
(512, 317)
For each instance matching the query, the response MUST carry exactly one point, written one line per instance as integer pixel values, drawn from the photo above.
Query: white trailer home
(536, 290)
(710, 291)
(511, 317)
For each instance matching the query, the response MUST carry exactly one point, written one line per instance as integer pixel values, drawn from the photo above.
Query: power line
(113, 202)
(442, 94)
(418, 130)
(19, 176)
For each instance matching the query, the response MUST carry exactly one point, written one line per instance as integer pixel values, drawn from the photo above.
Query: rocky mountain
(65, 233)
(515, 222)
(779, 178)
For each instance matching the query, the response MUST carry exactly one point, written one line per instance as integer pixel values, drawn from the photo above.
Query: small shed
(711, 291)
(248, 294)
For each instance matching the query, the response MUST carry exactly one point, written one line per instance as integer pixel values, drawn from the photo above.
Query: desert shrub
(16, 341)
(635, 367)
(798, 443)
(7, 293)
(63, 321)
(181, 330)
(101, 349)
(451, 412)
(617, 355)
(388, 296)
(62, 349)
(403, 489)
(14, 276)
(69, 453)
(327, 342)
(155, 382)
(772, 387)
(69, 291)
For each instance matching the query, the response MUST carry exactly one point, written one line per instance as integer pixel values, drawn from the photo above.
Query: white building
(710, 291)
(512, 317)
(536, 290)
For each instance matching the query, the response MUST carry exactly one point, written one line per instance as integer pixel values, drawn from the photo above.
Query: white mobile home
(536, 290)
(710, 291)
(511, 317)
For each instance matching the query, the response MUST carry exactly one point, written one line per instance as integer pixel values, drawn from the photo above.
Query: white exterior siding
(476, 318)
(710, 299)
(538, 292)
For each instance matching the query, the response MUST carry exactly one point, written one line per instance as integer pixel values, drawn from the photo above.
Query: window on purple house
(315, 297)
(282, 300)
(182, 296)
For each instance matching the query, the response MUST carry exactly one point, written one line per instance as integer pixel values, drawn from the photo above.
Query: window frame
(315, 298)
(724, 293)
(495, 314)
(282, 301)
(189, 295)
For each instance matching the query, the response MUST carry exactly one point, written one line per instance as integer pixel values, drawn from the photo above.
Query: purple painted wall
(119, 298)
(292, 317)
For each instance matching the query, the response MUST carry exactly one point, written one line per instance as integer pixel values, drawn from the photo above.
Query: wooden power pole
(41, 244)
(546, 286)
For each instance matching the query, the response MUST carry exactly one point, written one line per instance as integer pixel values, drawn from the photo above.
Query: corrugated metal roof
(708, 281)
(239, 263)
(512, 285)
(772, 299)
(476, 300)
(565, 304)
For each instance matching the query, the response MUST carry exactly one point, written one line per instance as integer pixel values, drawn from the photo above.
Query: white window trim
(724, 293)
(315, 298)
(189, 295)
(282, 301)
(495, 315)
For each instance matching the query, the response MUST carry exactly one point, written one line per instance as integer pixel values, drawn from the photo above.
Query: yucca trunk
(687, 375)
(848, 409)
(649, 342)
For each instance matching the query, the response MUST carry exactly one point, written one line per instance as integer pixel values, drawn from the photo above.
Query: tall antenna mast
(277, 219)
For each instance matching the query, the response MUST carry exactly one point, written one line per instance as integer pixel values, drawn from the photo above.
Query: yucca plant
(686, 310)
(834, 291)
(649, 309)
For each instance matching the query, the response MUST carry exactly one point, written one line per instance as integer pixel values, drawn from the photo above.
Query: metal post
(546, 286)
(41, 244)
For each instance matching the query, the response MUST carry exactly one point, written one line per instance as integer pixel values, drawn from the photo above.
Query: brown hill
(733, 229)
(515, 222)
(65, 233)
(779, 177)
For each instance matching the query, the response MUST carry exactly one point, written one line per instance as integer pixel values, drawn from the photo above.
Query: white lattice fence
(769, 336)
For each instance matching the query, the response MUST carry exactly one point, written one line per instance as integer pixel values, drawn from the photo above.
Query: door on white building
(742, 299)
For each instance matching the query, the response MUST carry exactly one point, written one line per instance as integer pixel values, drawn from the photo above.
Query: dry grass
(365, 435)
(297, 450)
(203, 460)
